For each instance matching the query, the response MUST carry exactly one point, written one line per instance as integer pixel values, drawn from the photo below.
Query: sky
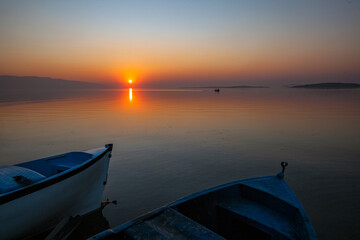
(182, 43)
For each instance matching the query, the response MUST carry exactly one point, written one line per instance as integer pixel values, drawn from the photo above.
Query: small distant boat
(257, 208)
(217, 90)
(37, 195)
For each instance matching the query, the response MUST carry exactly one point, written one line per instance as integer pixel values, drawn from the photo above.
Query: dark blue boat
(257, 208)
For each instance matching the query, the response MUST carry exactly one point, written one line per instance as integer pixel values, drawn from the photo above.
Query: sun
(130, 81)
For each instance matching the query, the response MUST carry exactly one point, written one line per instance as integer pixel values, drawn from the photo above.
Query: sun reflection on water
(130, 94)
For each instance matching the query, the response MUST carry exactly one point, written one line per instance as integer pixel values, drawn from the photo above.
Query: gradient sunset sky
(182, 43)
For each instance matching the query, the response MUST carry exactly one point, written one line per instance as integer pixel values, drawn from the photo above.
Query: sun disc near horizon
(130, 81)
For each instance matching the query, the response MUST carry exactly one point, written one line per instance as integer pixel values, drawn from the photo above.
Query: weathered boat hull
(258, 208)
(76, 191)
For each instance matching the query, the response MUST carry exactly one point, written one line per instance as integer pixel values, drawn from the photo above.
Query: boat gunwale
(53, 179)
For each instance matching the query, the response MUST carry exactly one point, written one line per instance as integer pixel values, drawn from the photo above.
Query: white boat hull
(78, 194)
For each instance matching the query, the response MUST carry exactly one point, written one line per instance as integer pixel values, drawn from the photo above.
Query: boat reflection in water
(91, 224)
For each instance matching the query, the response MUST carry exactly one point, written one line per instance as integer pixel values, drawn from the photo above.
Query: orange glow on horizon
(128, 77)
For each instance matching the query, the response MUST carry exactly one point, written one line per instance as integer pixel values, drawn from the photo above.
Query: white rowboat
(37, 195)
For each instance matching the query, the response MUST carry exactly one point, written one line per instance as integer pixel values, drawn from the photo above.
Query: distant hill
(243, 86)
(30, 82)
(329, 86)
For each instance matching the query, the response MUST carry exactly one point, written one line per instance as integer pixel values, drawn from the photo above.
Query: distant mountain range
(31, 82)
(243, 86)
(329, 86)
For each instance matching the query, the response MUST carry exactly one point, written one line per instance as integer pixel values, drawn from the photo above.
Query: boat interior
(56, 164)
(28, 173)
(242, 212)
(233, 212)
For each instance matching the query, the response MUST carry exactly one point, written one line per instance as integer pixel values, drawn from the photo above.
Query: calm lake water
(170, 143)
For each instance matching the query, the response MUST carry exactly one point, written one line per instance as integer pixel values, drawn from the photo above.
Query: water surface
(170, 143)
